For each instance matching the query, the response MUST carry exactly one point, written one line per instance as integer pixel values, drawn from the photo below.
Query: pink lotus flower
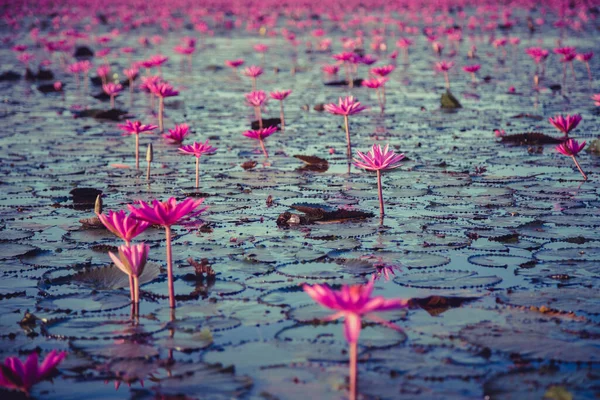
(261, 135)
(234, 63)
(253, 72)
(571, 148)
(256, 99)
(383, 71)
(445, 66)
(378, 159)
(166, 214)
(472, 69)
(379, 85)
(15, 374)
(132, 260)
(354, 303)
(596, 99)
(330, 69)
(131, 74)
(261, 48)
(58, 86)
(347, 106)
(122, 225)
(198, 149)
(103, 72)
(563, 51)
(585, 58)
(177, 135)
(162, 90)
(281, 96)
(135, 128)
(565, 124)
(113, 90)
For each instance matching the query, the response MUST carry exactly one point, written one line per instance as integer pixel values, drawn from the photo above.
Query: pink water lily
(256, 99)
(261, 135)
(162, 90)
(166, 214)
(472, 69)
(198, 149)
(281, 95)
(378, 84)
(571, 148)
(444, 67)
(353, 303)
(253, 72)
(132, 260)
(122, 225)
(113, 90)
(378, 159)
(177, 135)
(14, 374)
(565, 124)
(345, 107)
(135, 128)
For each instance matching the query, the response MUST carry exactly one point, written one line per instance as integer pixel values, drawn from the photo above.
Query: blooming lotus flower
(346, 107)
(103, 72)
(353, 303)
(135, 128)
(261, 135)
(198, 149)
(162, 90)
(444, 67)
(330, 69)
(113, 90)
(15, 374)
(253, 72)
(122, 225)
(472, 69)
(132, 260)
(166, 214)
(565, 124)
(383, 71)
(571, 148)
(596, 99)
(256, 99)
(379, 85)
(281, 96)
(585, 58)
(378, 159)
(234, 64)
(177, 135)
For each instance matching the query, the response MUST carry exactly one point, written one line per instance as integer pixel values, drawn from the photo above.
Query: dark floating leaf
(356, 83)
(83, 52)
(436, 305)
(319, 215)
(10, 76)
(111, 115)
(529, 116)
(531, 138)
(313, 163)
(249, 165)
(267, 123)
(448, 101)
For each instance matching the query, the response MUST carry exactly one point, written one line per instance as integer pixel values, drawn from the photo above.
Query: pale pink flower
(14, 374)
(565, 124)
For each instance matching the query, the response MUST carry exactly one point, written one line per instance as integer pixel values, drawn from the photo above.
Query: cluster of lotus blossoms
(354, 303)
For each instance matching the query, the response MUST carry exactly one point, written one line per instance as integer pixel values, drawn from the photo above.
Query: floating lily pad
(447, 279)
